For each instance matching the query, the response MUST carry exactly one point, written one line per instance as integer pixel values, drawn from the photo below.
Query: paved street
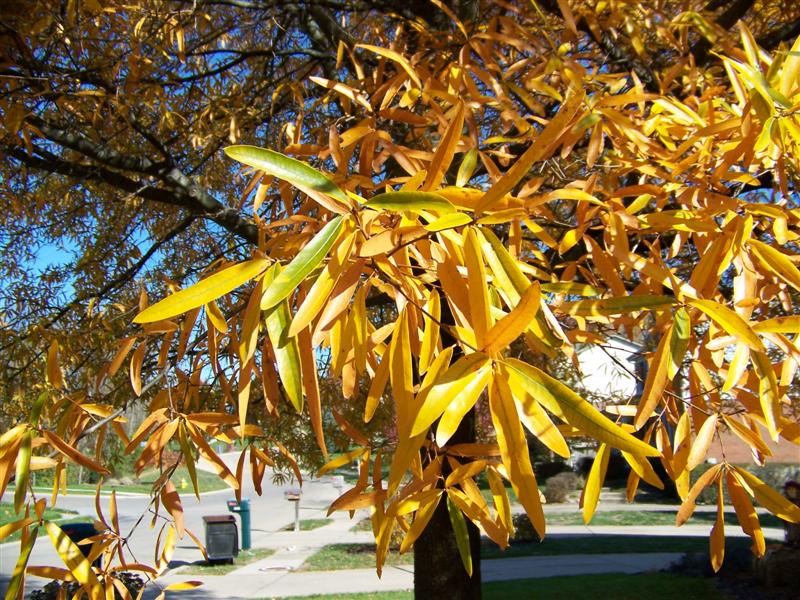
(277, 575)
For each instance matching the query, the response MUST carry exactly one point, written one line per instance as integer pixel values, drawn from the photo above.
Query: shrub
(524, 531)
(558, 488)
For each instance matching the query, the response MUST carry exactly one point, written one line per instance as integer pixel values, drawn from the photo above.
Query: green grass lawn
(206, 482)
(362, 556)
(648, 517)
(309, 524)
(612, 586)
(336, 557)
(245, 557)
(7, 515)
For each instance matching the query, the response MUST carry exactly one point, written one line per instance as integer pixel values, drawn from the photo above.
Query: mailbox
(222, 538)
(243, 510)
(77, 532)
(293, 495)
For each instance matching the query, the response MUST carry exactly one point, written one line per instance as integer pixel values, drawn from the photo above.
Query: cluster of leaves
(505, 183)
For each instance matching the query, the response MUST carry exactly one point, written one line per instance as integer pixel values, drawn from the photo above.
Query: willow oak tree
(484, 172)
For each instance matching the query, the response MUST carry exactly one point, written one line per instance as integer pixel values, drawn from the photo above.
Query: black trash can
(77, 532)
(222, 537)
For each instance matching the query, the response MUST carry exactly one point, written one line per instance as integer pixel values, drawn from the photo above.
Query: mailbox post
(243, 510)
(293, 495)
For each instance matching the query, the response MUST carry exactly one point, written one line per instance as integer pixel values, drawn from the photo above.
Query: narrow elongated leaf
(411, 201)
(299, 174)
(450, 385)
(430, 336)
(541, 148)
(204, 291)
(717, 539)
(567, 405)
(461, 404)
(616, 306)
(461, 534)
(73, 454)
(394, 57)
(514, 452)
(301, 265)
(479, 306)
(773, 501)
(746, 513)
(656, 382)
(511, 326)
(74, 560)
(777, 262)
(594, 482)
(702, 442)
(535, 420)
(22, 475)
(790, 324)
(678, 341)
(421, 519)
(287, 351)
(690, 503)
(500, 496)
(15, 584)
(445, 150)
(768, 392)
(729, 321)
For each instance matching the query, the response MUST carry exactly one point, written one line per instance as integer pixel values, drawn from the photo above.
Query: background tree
(557, 171)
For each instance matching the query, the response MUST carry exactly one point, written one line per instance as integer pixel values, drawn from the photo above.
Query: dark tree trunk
(438, 570)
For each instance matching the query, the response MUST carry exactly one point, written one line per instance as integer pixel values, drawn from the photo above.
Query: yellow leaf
(216, 317)
(768, 392)
(341, 460)
(541, 148)
(616, 306)
(535, 420)
(400, 374)
(777, 262)
(54, 376)
(479, 310)
(444, 152)
(430, 336)
(729, 321)
(467, 167)
(688, 505)
(511, 326)
(500, 496)
(773, 501)
(514, 452)
(204, 291)
(395, 57)
(746, 513)
(594, 482)
(182, 586)
(790, 324)
(702, 442)
(656, 382)
(421, 519)
(717, 539)
(74, 560)
(447, 387)
(344, 90)
(461, 404)
(568, 406)
(642, 467)
(73, 454)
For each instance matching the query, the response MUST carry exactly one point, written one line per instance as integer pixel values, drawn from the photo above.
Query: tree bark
(438, 570)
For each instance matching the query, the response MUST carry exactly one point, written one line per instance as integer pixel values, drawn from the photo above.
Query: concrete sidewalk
(261, 580)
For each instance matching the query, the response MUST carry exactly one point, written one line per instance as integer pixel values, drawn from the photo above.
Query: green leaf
(679, 340)
(204, 291)
(299, 174)
(23, 470)
(287, 350)
(616, 306)
(306, 261)
(464, 381)
(411, 201)
(567, 405)
(18, 577)
(461, 533)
